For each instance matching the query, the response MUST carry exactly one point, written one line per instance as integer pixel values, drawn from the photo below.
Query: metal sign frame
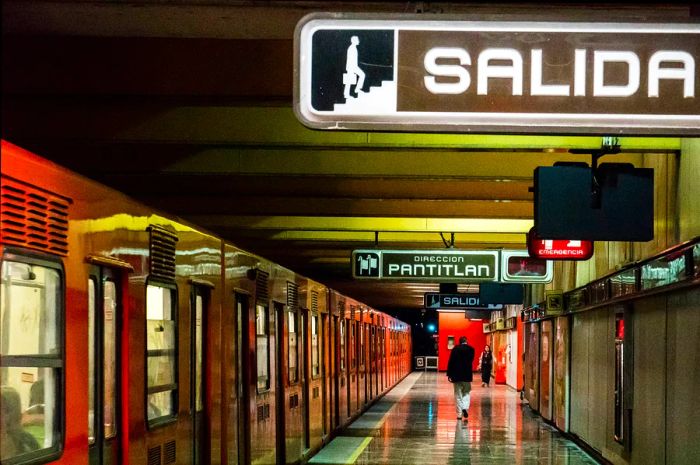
(567, 120)
(441, 265)
(507, 277)
(435, 300)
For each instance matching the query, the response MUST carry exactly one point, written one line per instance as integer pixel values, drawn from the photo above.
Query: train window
(31, 365)
(342, 344)
(293, 351)
(262, 347)
(315, 355)
(161, 345)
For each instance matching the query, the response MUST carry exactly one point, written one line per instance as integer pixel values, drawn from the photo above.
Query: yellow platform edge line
(363, 445)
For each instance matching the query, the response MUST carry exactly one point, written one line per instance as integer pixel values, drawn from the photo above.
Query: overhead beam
(302, 206)
(307, 238)
(301, 223)
(275, 19)
(388, 186)
(92, 120)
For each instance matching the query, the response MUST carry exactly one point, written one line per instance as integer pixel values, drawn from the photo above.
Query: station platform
(416, 423)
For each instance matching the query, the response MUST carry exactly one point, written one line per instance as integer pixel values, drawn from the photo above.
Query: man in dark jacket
(459, 373)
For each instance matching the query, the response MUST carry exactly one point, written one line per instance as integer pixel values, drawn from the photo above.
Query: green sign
(462, 266)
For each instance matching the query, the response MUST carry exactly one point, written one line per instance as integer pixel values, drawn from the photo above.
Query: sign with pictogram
(459, 300)
(463, 266)
(549, 249)
(406, 73)
(554, 302)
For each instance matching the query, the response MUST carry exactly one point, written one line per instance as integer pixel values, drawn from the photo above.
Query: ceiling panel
(187, 107)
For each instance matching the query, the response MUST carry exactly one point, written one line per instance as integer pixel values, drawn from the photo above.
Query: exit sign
(457, 300)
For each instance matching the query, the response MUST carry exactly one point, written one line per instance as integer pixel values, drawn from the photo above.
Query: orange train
(130, 337)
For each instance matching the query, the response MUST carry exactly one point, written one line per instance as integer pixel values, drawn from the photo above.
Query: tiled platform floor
(416, 423)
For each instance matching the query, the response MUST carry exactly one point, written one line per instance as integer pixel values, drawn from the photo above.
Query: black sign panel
(622, 208)
(462, 266)
(459, 300)
(501, 293)
(477, 314)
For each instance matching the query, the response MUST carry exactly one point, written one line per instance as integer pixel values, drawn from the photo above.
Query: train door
(352, 352)
(281, 392)
(344, 385)
(241, 383)
(382, 358)
(323, 370)
(375, 359)
(372, 364)
(336, 341)
(104, 330)
(199, 305)
(306, 376)
(363, 364)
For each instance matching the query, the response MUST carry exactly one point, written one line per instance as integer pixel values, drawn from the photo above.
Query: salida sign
(457, 300)
(528, 77)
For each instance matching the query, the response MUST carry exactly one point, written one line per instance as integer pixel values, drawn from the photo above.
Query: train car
(131, 337)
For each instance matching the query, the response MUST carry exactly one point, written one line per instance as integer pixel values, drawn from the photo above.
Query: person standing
(486, 365)
(459, 373)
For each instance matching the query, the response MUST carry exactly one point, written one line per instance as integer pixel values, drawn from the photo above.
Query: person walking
(353, 72)
(486, 365)
(459, 373)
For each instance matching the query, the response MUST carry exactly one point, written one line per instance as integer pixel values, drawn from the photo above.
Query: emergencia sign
(410, 74)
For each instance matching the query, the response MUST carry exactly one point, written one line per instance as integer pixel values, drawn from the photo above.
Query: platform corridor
(415, 423)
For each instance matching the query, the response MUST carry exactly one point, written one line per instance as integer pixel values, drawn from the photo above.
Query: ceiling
(187, 107)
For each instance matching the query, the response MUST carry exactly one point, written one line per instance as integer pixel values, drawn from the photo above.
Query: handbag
(349, 78)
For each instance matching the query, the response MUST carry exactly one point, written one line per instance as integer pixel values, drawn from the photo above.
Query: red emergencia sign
(564, 249)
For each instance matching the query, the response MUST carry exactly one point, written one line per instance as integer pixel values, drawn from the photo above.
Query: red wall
(455, 324)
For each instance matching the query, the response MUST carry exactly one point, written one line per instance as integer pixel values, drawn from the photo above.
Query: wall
(683, 378)
(455, 324)
(689, 190)
(662, 338)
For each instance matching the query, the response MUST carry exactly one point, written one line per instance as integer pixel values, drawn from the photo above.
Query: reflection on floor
(416, 423)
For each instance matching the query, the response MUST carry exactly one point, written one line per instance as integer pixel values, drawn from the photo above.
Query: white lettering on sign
(513, 71)
(657, 69)
(454, 71)
(562, 252)
(461, 301)
(686, 73)
(439, 258)
(536, 85)
(445, 270)
(600, 89)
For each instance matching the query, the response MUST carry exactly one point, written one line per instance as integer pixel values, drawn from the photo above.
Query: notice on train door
(409, 73)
